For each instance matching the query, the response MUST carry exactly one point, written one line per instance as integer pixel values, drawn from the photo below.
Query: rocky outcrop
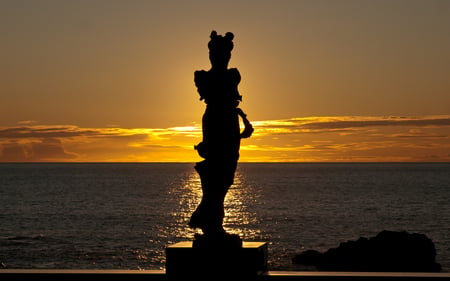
(389, 251)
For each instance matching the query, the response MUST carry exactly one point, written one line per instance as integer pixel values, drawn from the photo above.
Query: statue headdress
(219, 43)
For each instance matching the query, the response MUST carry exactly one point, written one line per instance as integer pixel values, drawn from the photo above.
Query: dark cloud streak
(47, 132)
(346, 124)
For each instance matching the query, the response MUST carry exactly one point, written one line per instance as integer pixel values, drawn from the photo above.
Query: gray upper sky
(130, 63)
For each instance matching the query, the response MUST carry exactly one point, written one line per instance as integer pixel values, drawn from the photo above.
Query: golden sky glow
(351, 138)
(121, 73)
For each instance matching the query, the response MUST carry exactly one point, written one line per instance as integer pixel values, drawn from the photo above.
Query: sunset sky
(109, 80)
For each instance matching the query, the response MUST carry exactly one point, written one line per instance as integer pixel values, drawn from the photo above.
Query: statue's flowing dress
(220, 144)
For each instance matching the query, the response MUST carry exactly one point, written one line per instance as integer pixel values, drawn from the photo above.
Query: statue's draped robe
(220, 144)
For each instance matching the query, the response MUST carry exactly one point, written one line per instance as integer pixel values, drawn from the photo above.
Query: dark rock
(308, 257)
(388, 251)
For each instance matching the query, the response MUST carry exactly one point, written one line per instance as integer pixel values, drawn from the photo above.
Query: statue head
(220, 49)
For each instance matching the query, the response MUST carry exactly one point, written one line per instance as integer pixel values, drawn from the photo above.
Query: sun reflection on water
(239, 217)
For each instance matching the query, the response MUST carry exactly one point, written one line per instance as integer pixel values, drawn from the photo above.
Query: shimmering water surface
(123, 215)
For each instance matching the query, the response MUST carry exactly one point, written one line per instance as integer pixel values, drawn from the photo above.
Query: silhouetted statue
(218, 88)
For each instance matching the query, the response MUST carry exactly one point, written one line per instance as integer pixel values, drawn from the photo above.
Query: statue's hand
(248, 129)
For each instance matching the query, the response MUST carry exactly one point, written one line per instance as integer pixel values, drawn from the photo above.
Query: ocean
(123, 215)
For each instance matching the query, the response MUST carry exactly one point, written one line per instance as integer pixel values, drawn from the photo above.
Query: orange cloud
(341, 138)
(71, 143)
(47, 149)
(353, 138)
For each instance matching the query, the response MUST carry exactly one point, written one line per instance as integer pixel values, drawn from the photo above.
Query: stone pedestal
(216, 261)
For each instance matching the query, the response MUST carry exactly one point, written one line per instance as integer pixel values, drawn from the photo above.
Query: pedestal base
(183, 260)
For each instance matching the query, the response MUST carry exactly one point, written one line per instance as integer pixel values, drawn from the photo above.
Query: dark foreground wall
(153, 275)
